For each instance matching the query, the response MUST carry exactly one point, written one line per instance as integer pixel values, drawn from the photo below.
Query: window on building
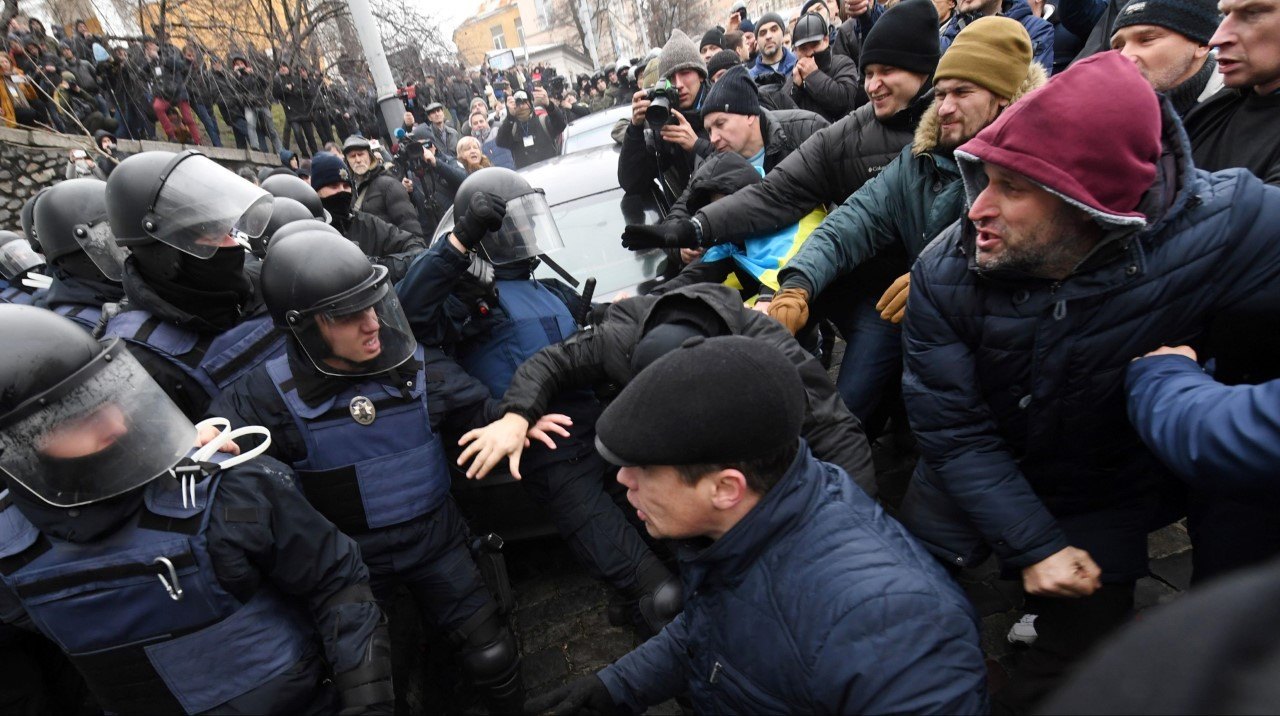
(543, 8)
(520, 31)
(499, 38)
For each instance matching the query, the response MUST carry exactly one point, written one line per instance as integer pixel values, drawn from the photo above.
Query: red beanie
(1091, 135)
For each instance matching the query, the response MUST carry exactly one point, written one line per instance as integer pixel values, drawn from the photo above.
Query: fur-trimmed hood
(926, 137)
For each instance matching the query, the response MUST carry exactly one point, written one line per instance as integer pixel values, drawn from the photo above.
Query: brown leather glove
(893, 304)
(790, 307)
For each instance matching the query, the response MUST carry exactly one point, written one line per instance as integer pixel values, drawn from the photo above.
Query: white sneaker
(1024, 631)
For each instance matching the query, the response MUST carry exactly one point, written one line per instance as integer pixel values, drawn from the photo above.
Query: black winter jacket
(384, 243)
(543, 130)
(382, 195)
(1015, 385)
(602, 356)
(783, 131)
(833, 91)
(826, 169)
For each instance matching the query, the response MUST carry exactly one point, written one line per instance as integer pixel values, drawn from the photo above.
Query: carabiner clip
(171, 585)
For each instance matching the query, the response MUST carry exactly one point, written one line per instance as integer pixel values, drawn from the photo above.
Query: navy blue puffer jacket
(815, 602)
(1015, 385)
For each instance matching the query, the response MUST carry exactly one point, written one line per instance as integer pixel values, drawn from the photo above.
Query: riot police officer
(176, 580)
(493, 316)
(293, 187)
(192, 309)
(284, 211)
(351, 407)
(85, 262)
(18, 261)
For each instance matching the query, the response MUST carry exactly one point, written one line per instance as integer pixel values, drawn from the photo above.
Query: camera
(661, 96)
(409, 155)
(556, 87)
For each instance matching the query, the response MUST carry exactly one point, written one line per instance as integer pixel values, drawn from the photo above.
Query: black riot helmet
(295, 227)
(73, 216)
(283, 211)
(528, 229)
(17, 257)
(80, 422)
(27, 218)
(291, 186)
(342, 311)
(183, 200)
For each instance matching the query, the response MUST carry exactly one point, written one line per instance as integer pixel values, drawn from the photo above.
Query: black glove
(674, 234)
(483, 214)
(586, 694)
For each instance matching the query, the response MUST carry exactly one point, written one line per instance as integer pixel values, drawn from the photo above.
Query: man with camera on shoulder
(666, 132)
(531, 137)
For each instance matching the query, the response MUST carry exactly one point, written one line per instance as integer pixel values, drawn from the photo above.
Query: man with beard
(917, 196)
(384, 243)
(774, 57)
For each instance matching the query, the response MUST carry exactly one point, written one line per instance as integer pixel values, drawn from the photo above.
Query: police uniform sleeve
(456, 401)
(263, 529)
(576, 362)
(253, 400)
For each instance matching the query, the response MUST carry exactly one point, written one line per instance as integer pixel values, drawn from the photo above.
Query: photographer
(662, 145)
(431, 176)
(530, 138)
(376, 192)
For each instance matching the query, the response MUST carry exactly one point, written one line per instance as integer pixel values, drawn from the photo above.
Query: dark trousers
(1228, 533)
(430, 556)
(239, 129)
(871, 369)
(210, 124)
(577, 492)
(1066, 629)
(35, 676)
(304, 132)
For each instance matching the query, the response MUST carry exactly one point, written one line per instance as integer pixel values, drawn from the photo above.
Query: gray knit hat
(680, 54)
(1196, 20)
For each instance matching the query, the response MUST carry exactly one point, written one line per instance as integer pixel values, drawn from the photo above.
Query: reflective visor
(201, 203)
(17, 257)
(104, 431)
(359, 333)
(99, 245)
(528, 230)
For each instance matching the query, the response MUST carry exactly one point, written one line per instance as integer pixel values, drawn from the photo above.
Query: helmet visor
(359, 333)
(17, 257)
(99, 245)
(200, 204)
(104, 431)
(528, 230)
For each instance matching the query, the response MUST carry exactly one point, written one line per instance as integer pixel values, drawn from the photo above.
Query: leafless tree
(663, 16)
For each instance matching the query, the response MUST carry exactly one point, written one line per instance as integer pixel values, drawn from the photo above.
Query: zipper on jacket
(715, 673)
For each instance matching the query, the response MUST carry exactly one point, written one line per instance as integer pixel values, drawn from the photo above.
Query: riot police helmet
(308, 224)
(17, 258)
(73, 215)
(528, 229)
(284, 211)
(343, 311)
(80, 422)
(183, 200)
(27, 218)
(283, 186)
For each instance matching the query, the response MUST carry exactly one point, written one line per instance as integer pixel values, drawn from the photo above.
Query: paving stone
(1151, 592)
(594, 651)
(1174, 570)
(560, 607)
(544, 667)
(1168, 541)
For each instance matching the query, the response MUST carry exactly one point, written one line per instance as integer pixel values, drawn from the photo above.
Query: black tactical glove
(484, 213)
(586, 694)
(674, 234)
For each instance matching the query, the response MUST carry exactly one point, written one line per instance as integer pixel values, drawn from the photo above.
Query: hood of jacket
(926, 137)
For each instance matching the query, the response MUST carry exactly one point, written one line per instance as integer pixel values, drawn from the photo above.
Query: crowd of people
(232, 405)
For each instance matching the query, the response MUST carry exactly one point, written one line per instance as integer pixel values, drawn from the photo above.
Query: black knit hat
(906, 37)
(700, 404)
(721, 60)
(714, 36)
(1196, 20)
(773, 17)
(735, 93)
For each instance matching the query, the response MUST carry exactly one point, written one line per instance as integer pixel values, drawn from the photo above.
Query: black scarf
(1184, 97)
(207, 294)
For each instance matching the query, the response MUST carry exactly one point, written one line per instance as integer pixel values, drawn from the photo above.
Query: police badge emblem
(362, 410)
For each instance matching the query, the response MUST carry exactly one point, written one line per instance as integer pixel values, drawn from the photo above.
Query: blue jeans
(872, 360)
(210, 124)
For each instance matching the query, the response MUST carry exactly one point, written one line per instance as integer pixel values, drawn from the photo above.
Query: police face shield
(528, 230)
(17, 257)
(105, 430)
(360, 332)
(99, 244)
(201, 207)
